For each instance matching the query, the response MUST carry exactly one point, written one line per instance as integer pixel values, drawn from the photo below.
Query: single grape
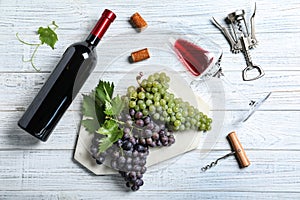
(175, 108)
(149, 85)
(135, 188)
(121, 161)
(138, 115)
(141, 95)
(156, 103)
(178, 115)
(136, 107)
(143, 106)
(151, 96)
(152, 109)
(144, 83)
(156, 116)
(182, 127)
(202, 127)
(171, 140)
(162, 91)
(119, 142)
(114, 164)
(100, 160)
(162, 102)
(173, 118)
(156, 98)
(159, 86)
(133, 95)
(149, 102)
(139, 122)
(139, 182)
(145, 112)
(151, 78)
(147, 120)
(155, 84)
(159, 109)
(132, 104)
(155, 136)
(127, 145)
(148, 89)
(130, 90)
(154, 90)
(177, 123)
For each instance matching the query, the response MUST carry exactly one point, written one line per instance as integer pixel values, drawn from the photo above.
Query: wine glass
(202, 58)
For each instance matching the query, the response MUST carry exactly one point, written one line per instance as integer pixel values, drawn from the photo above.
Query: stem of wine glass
(253, 105)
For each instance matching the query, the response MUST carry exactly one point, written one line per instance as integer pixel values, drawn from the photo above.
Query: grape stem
(111, 118)
(33, 54)
(122, 123)
(139, 77)
(55, 26)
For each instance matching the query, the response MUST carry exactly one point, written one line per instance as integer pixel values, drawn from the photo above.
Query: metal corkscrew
(241, 40)
(237, 150)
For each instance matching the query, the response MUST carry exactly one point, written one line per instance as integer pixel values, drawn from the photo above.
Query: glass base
(254, 105)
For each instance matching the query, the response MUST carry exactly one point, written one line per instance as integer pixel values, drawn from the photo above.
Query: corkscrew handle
(239, 150)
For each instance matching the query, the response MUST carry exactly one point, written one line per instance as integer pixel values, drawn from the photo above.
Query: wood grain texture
(18, 89)
(55, 171)
(161, 195)
(257, 133)
(33, 170)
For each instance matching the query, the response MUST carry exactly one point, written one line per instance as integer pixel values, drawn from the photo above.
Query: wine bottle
(64, 83)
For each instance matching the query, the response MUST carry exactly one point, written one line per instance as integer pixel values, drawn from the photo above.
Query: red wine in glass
(194, 58)
(201, 63)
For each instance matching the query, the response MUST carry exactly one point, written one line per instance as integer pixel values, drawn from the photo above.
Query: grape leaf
(94, 111)
(108, 108)
(108, 127)
(112, 132)
(88, 106)
(47, 36)
(104, 144)
(99, 107)
(117, 105)
(104, 91)
(90, 125)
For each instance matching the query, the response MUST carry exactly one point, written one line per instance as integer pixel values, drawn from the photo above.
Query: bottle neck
(101, 27)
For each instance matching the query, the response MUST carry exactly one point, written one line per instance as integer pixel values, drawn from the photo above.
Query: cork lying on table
(138, 22)
(140, 55)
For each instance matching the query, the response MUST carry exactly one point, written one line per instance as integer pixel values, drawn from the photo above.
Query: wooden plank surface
(33, 170)
(257, 133)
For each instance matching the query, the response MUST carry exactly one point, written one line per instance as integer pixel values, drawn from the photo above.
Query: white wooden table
(33, 170)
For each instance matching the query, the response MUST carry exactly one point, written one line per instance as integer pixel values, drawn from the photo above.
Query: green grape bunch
(152, 97)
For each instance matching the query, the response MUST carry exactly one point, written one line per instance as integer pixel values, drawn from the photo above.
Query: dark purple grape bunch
(129, 154)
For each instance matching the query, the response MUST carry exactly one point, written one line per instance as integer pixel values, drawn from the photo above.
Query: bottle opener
(237, 150)
(241, 40)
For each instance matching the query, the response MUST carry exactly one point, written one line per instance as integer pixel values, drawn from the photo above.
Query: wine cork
(138, 22)
(140, 55)
(239, 150)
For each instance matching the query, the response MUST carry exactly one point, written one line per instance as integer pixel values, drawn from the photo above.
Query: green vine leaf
(47, 36)
(101, 111)
(111, 130)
